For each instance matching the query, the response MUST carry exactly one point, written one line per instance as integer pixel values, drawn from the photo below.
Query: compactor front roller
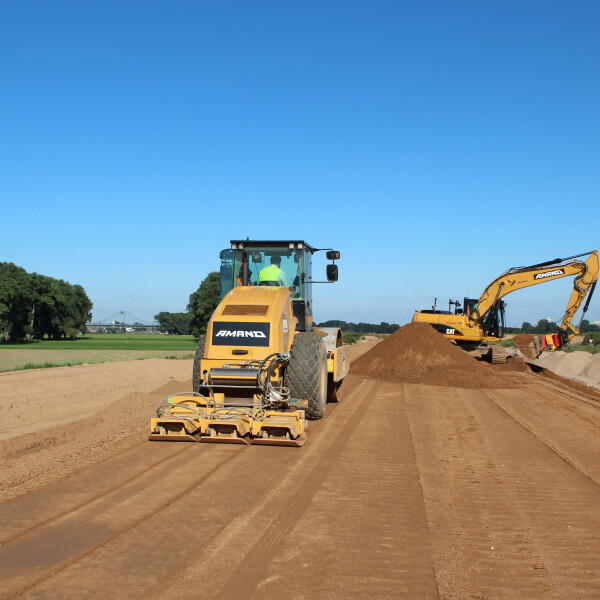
(262, 369)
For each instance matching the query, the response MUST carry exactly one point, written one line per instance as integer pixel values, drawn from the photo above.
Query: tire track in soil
(253, 568)
(22, 515)
(53, 548)
(116, 540)
(556, 501)
(483, 547)
(365, 532)
(566, 426)
(345, 521)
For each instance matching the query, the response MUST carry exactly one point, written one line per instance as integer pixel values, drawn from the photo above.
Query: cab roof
(288, 244)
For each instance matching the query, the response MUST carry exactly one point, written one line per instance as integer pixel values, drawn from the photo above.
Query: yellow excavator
(263, 368)
(482, 320)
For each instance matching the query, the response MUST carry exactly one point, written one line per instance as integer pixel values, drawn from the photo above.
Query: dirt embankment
(417, 353)
(57, 421)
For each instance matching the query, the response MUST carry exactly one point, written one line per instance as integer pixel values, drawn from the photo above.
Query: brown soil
(519, 365)
(416, 353)
(514, 364)
(402, 491)
(524, 342)
(57, 421)
(580, 387)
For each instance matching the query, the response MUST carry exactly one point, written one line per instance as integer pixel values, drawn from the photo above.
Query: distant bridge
(122, 321)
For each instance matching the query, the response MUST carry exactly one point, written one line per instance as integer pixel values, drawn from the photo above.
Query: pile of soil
(581, 366)
(514, 364)
(417, 353)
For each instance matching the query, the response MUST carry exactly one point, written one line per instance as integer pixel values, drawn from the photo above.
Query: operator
(273, 274)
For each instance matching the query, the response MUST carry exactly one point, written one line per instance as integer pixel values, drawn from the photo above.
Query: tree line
(35, 306)
(200, 308)
(544, 326)
(383, 327)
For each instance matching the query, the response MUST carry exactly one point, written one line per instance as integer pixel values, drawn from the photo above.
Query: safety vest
(269, 274)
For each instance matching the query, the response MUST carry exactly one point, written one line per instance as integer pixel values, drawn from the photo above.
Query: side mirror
(256, 257)
(332, 272)
(332, 255)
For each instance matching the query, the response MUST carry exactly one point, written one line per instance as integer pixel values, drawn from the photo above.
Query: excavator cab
(493, 322)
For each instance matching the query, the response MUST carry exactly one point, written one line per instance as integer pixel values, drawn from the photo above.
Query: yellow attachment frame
(194, 418)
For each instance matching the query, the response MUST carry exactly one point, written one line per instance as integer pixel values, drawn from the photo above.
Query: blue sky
(435, 145)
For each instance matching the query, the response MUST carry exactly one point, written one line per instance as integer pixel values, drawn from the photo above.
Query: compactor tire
(196, 371)
(306, 373)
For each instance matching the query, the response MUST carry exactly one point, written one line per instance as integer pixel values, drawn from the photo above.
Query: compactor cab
(243, 262)
(262, 368)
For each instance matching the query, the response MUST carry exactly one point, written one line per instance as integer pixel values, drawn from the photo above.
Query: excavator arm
(586, 276)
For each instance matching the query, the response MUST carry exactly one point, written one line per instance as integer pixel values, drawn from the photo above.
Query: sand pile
(417, 353)
(580, 365)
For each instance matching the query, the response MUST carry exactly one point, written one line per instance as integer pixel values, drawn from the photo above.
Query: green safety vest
(269, 274)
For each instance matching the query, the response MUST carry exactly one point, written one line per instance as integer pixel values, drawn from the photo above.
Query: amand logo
(550, 274)
(240, 334)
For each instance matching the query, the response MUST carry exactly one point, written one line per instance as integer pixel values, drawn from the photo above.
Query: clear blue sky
(434, 144)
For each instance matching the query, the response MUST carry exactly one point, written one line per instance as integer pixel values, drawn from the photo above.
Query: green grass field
(111, 341)
(95, 348)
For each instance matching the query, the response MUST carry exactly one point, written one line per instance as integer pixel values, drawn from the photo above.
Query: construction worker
(273, 274)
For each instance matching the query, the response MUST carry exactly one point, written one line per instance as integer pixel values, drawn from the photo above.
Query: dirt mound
(417, 353)
(27, 461)
(514, 364)
(572, 363)
(592, 369)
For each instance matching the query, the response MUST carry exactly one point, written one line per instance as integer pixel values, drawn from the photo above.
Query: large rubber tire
(306, 373)
(196, 371)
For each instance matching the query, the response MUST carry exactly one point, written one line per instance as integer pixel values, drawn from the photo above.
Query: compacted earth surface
(436, 476)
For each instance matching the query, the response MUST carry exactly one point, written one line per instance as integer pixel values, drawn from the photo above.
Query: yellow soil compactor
(263, 368)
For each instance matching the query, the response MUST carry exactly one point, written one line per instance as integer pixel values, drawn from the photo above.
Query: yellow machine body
(247, 387)
(482, 320)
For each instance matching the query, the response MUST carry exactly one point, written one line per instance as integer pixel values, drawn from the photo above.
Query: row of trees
(175, 323)
(383, 327)
(543, 326)
(34, 306)
(199, 310)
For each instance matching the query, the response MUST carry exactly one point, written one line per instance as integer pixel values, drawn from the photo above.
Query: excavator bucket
(530, 346)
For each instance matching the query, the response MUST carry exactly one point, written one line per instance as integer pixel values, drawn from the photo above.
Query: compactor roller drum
(196, 375)
(306, 373)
